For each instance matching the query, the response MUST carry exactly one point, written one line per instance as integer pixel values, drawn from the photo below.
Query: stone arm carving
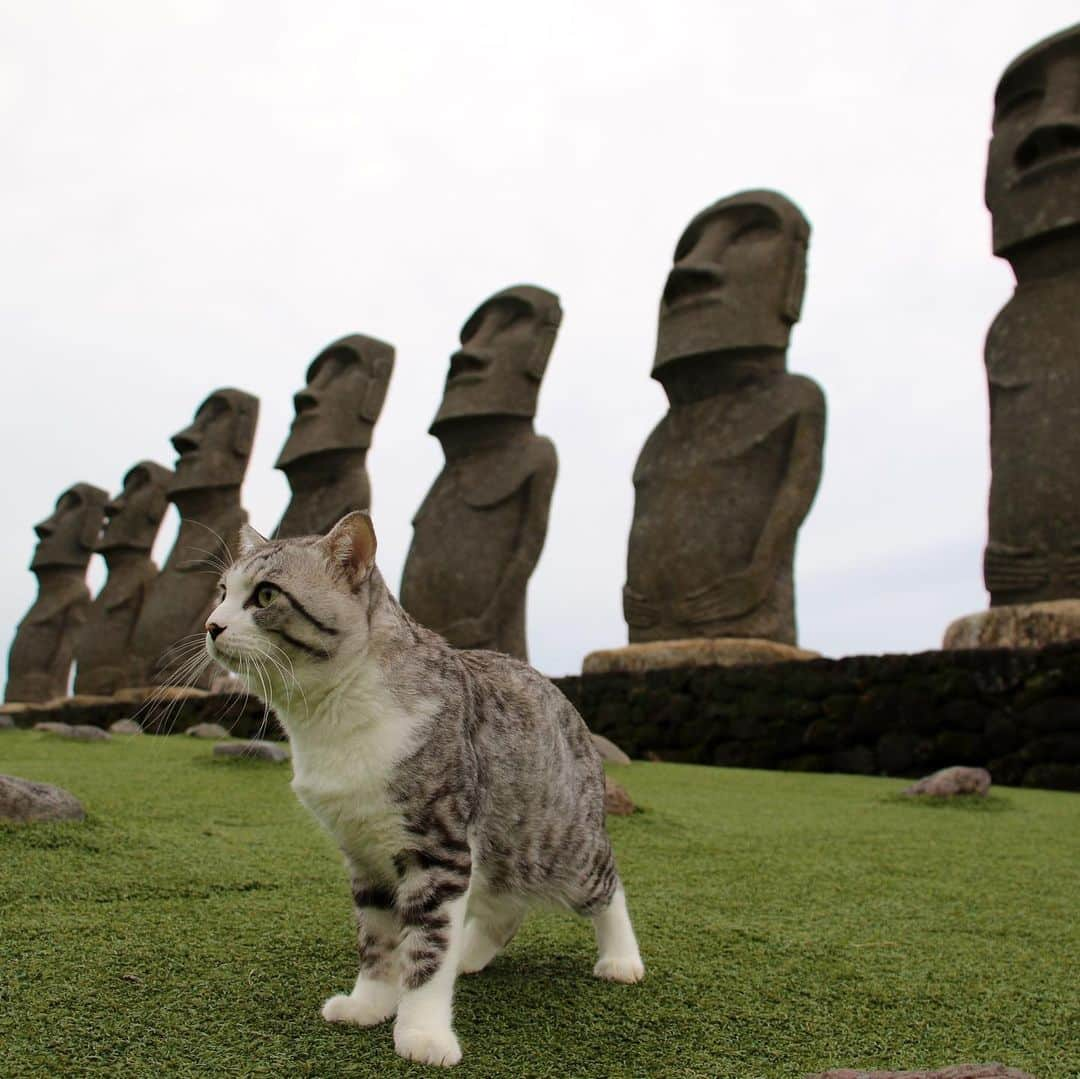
(742, 592)
(483, 630)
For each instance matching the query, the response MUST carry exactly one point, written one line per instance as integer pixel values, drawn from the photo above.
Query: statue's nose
(214, 630)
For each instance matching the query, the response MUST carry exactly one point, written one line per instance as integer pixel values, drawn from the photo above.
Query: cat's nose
(214, 630)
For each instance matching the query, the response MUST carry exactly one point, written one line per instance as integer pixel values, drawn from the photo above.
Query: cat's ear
(249, 540)
(350, 545)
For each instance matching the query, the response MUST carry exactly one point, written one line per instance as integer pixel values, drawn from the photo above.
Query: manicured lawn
(195, 922)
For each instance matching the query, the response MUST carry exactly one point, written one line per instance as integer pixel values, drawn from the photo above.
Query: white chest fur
(343, 757)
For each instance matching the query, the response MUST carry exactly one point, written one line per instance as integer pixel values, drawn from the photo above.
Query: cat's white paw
(477, 951)
(624, 968)
(363, 1007)
(436, 1045)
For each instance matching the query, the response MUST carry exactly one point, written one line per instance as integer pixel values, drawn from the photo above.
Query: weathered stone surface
(213, 457)
(481, 528)
(694, 652)
(207, 730)
(325, 455)
(1033, 347)
(85, 732)
(609, 751)
(950, 782)
(24, 800)
(959, 1071)
(52, 727)
(39, 662)
(6, 723)
(727, 477)
(1021, 625)
(254, 750)
(617, 802)
(125, 726)
(103, 649)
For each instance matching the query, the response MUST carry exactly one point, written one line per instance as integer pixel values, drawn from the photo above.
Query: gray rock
(254, 750)
(125, 726)
(609, 751)
(207, 730)
(326, 452)
(103, 648)
(39, 662)
(480, 530)
(617, 802)
(85, 732)
(24, 800)
(52, 727)
(6, 723)
(949, 782)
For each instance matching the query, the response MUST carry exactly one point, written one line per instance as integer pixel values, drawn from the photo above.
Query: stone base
(693, 652)
(1023, 625)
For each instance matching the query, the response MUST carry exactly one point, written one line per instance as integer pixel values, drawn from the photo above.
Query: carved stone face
(505, 347)
(67, 538)
(337, 409)
(214, 450)
(1033, 171)
(134, 515)
(738, 278)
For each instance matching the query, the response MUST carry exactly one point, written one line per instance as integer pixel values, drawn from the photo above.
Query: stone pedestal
(693, 652)
(1027, 625)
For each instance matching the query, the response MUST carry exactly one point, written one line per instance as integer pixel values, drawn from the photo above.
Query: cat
(461, 786)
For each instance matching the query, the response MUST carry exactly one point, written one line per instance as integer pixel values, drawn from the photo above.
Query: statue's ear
(249, 540)
(796, 284)
(93, 520)
(350, 546)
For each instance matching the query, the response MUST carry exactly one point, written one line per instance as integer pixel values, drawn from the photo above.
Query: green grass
(195, 922)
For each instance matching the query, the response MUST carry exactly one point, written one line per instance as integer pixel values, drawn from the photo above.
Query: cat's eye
(264, 595)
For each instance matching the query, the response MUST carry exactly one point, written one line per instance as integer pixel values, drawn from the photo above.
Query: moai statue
(324, 457)
(482, 526)
(40, 658)
(103, 652)
(728, 475)
(1033, 347)
(205, 488)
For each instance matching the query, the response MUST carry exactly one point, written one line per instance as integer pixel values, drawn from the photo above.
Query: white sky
(205, 194)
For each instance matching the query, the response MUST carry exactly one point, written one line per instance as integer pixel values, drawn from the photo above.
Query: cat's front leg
(432, 911)
(375, 996)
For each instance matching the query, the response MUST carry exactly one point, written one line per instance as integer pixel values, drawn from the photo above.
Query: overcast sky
(205, 194)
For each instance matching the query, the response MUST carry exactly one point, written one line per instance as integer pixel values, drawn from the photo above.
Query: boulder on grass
(85, 732)
(609, 751)
(125, 726)
(254, 750)
(950, 782)
(207, 730)
(24, 800)
(52, 727)
(6, 723)
(616, 801)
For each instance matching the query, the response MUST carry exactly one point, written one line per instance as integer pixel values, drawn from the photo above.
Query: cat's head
(295, 612)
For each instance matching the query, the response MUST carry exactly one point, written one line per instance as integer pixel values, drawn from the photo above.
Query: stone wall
(1014, 712)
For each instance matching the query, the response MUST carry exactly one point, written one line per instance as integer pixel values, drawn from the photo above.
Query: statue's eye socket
(264, 595)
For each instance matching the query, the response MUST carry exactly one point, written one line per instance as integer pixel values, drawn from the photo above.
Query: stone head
(214, 450)
(1033, 171)
(737, 281)
(337, 409)
(69, 536)
(505, 347)
(134, 515)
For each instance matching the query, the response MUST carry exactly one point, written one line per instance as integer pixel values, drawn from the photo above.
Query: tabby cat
(462, 787)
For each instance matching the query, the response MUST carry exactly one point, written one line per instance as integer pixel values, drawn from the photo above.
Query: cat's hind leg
(490, 925)
(375, 996)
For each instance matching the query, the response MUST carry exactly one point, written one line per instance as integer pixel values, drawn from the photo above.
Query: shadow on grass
(971, 803)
